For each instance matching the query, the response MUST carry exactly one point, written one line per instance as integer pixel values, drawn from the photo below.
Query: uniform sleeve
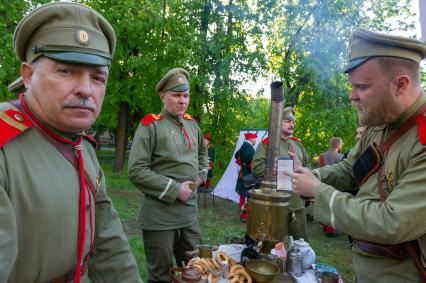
(140, 173)
(111, 259)
(203, 158)
(398, 219)
(258, 163)
(8, 229)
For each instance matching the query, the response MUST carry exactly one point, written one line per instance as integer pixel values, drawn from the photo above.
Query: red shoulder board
(187, 116)
(91, 139)
(148, 119)
(12, 124)
(265, 141)
(295, 139)
(421, 127)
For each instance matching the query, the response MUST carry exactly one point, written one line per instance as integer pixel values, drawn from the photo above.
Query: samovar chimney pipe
(274, 133)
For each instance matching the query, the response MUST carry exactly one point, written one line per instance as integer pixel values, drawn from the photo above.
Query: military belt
(390, 251)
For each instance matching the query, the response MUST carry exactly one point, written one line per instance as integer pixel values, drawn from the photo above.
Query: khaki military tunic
(400, 218)
(39, 201)
(163, 156)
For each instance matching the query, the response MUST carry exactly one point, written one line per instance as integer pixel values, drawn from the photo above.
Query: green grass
(218, 223)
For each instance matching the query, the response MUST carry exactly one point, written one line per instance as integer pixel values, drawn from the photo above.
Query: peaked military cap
(67, 32)
(175, 80)
(288, 114)
(365, 44)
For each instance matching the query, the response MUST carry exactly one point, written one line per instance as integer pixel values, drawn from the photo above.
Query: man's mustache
(79, 103)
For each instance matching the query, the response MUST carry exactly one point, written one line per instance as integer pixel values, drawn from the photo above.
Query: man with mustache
(167, 162)
(57, 223)
(386, 217)
(289, 144)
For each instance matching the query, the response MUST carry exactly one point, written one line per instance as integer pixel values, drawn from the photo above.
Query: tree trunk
(121, 137)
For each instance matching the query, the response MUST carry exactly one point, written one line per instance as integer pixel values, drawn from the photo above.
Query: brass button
(424, 114)
(18, 117)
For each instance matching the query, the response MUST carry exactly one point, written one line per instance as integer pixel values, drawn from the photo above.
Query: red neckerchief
(82, 198)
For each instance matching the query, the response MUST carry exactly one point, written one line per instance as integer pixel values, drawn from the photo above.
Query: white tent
(225, 188)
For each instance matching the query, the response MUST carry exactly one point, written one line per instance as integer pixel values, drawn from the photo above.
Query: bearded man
(386, 217)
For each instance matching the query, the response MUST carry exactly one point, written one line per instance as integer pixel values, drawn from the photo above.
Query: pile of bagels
(210, 268)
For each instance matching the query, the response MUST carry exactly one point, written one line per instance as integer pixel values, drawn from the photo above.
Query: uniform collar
(177, 120)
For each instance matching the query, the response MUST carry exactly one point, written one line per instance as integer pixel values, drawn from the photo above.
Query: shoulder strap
(148, 119)
(12, 124)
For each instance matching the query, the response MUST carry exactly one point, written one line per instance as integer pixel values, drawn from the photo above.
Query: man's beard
(380, 114)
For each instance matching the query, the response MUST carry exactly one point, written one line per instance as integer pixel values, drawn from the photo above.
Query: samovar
(267, 221)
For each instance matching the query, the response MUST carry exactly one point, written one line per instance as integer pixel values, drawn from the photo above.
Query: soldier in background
(244, 157)
(167, 162)
(386, 217)
(358, 133)
(57, 222)
(332, 155)
(211, 153)
(298, 227)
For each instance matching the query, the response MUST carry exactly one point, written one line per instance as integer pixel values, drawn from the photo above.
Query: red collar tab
(295, 139)
(265, 141)
(186, 116)
(421, 127)
(148, 119)
(12, 124)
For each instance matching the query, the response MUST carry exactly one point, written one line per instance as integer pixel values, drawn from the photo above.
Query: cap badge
(180, 80)
(82, 37)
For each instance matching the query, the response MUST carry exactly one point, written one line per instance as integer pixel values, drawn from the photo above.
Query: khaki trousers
(160, 246)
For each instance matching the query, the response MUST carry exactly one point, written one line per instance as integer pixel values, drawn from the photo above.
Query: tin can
(295, 263)
(206, 251)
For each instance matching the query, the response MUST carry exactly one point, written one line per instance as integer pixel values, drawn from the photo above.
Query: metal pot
(267, 221)
(262, 271)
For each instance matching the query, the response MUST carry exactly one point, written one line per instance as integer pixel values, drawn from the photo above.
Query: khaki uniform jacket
(399, 219)
(39, 200)
(161, 158)
(258, 164)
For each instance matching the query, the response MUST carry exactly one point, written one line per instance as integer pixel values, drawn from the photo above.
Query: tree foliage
(226, 44)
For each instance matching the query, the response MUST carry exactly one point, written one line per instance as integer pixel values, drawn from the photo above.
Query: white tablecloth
(307, 277)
